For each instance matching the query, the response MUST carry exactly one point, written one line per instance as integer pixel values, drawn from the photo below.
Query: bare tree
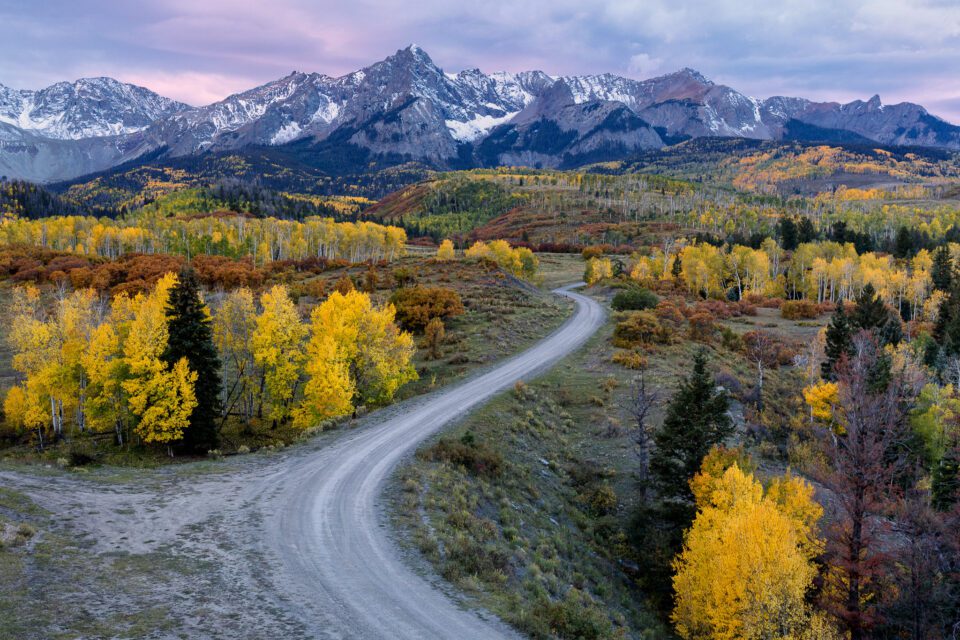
(641, 401)
(864, 462)
(761, 350)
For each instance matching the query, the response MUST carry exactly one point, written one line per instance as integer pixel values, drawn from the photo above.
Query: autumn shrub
(434, 334)
(478, 458)
(730, 339)
(220, 271)
(716, 309)
(799, 310)
(417, 306)
(702, 326)
(629, 359)
(639, 328)
(594, 251)
(404, 276)
(745, 308)
(634, 299)
(669, 313)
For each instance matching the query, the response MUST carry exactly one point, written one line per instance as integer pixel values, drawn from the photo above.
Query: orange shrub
(799, 310)
(417, 306)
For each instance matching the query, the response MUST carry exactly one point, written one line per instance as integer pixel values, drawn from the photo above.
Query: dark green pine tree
(190, 337)
(806, 232)
(869, 314)
(677, 269)
(695, 421)
(903, 245)
(839, 341)
(788, 233)
(941, 273)
(946, 331)
(945, 483)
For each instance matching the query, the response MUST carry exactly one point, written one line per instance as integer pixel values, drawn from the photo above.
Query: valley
(405, 353)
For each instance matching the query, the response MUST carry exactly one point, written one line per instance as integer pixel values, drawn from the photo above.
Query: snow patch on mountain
(472, 129)
(286, 133)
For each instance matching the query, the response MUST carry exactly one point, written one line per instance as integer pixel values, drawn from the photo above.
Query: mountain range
(407, 108)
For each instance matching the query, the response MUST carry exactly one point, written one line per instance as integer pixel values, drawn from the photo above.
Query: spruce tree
(903, 245)
(941, 272)
(676, 270)
(946, 331)
(695, 421)
(869, 314)
(190, 337)
(788, 233)
(839, 341)
(945, 481)
(806, 232)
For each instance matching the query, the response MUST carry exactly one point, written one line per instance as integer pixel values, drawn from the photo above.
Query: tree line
(263, 239)
(163, 367)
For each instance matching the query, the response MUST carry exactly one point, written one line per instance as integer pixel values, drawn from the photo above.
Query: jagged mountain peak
(406, 106)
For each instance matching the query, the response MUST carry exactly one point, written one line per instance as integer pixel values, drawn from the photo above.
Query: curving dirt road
(329, 531)
(294, 544)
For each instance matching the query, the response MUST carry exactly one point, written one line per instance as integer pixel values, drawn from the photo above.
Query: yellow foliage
(277, 345)
(747, 561)
(162, 398)
(520, 262)
(822, 398)
(445, 251)
(597, 269)
(355, 352)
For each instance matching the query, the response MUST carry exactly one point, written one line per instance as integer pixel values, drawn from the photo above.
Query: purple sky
(200, 51)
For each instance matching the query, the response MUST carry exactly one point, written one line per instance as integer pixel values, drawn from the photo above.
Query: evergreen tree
(945, 483)
(870, 314)
(806, 231)
(788, 233)
(839, 341)
(942, 270)
(676, 270)
(946, 331)
(903, 245)
(695, 421)
(190, 337)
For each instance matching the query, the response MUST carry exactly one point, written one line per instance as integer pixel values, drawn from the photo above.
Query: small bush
(477, 458)
(640, 328)
(630, 359)
(799, 310)
(576, 616)
(600, 500)
(417, 306)
(702, 326)
(636, 299)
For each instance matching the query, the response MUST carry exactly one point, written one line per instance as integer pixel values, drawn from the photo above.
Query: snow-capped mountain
(87, 108)
(406, 107)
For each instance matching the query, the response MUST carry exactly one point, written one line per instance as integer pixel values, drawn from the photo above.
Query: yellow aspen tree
(277, 345)
(445, 251)
(479, 249)
(747, 561)
(356, 353)
(329, 390)
(76, 319)
(30, 337)
(161, 397)
(233, 327)
(106, 370)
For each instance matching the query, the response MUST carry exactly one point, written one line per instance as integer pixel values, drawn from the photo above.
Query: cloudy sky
(200, 51)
